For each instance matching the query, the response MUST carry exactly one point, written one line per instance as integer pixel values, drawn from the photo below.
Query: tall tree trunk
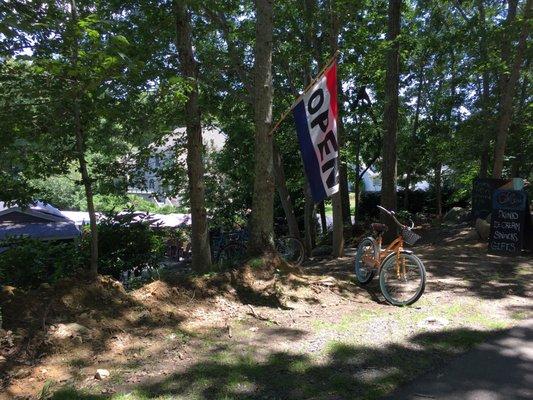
(506, 46)
(357, 182)
(508, 84)
(309, 221)
(485, 94)
(414, 132)
(438, 189)
(284, 196)
(388, 186)
(80, 150)
(323, 219)
(340, 201)
(338, 227)
(407, 190)
(201, 252)
(312, 46)
(262, 234)
(343, 172)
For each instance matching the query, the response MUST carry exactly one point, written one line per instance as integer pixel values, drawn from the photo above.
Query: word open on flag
(316, 124)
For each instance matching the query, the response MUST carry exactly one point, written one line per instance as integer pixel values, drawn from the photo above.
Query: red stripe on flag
(331, 76)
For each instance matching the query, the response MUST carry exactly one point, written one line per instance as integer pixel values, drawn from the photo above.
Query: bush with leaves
(28, 262)
(128, 241)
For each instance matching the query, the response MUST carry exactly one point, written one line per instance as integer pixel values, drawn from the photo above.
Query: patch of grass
(47, 389)
(70, 393)
(117, 377)
(485, 321)
(134, 364)
(256, 263)
(78, 363)
(453, 310)
(299, 366)
(454, 342)
(520, 315)
(348, 323)
(179, 336)
(135, 350)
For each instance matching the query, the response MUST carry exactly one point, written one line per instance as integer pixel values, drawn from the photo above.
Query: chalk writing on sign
(507, 222)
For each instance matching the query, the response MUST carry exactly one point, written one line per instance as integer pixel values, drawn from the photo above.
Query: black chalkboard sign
(482, 191)
(508, 221)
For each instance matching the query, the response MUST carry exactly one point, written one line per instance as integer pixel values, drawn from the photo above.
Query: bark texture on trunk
(87, 185)
(341, 200)
(485, 94)
(310, 221)
(312, 46)
(201, 252)
(261, 234)
(508, 86)
(357, 182)
(323, 219)
(407, 190)
(438, 190)
(388, 188)
(338, 228)
(284, 196)
(343, 172)
(506, 45)
(80, 150)
(416, 123)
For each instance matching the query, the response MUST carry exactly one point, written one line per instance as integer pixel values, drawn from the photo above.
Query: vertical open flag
(316, 124)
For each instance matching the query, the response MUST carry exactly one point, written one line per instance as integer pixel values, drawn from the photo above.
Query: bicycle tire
(291, 249)
(364, 273)
(393, 285)
(231, 255)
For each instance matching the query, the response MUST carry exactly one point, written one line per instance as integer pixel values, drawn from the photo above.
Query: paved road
(501, 369)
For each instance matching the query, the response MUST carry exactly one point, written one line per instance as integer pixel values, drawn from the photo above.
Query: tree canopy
(86, 86)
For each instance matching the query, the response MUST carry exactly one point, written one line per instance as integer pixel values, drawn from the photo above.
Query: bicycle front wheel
(232, 255)
(291, 250)
(402, 279)
(367, 253)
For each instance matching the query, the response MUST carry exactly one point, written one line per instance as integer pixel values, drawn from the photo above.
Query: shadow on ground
(345, 372)
(455, 260)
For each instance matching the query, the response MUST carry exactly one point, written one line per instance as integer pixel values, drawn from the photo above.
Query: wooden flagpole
(286, 113)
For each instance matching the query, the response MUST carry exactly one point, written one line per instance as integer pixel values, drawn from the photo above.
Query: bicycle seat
(379, 228)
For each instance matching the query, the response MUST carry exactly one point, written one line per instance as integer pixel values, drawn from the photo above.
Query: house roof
(43, 231)
(37, 209)
(172, 220)
(49, 223)
(160, 220)
(79, 217)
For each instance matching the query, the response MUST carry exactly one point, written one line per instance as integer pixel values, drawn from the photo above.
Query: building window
(157, 161)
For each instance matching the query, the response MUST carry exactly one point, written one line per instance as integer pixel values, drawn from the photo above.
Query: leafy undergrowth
(265, 331)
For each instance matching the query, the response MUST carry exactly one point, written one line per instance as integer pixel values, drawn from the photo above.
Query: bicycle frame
(402, 275)
(395, 247)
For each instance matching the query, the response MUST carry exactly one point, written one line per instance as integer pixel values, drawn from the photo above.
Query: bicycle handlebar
(392, 214)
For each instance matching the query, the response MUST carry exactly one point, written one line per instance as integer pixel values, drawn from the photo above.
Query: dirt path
(328, 339)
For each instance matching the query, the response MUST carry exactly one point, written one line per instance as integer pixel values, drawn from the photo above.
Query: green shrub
(127, 242)
(29, 262)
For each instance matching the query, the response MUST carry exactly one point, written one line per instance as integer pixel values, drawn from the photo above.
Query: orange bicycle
(402, 275)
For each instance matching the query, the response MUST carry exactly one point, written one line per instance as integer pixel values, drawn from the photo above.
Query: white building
(161, 155)
(372, 181)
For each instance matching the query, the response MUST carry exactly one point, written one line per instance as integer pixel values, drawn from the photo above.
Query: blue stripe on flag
(312, 168)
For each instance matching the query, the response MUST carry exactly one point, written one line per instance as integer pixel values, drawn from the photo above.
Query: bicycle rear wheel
(290, 249)
(402, 279)
(232, 255)
(367, 252)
